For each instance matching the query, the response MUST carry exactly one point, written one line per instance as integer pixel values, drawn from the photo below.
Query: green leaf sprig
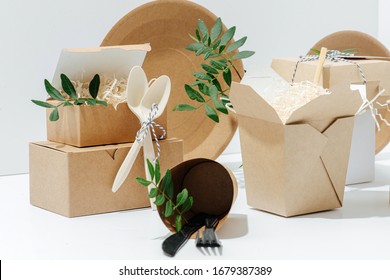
(220, 53)
(350, 51)
(72, 98)
(162, 191)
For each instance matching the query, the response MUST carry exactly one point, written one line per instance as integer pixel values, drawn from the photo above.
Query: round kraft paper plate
(166, 25)
(364, 44)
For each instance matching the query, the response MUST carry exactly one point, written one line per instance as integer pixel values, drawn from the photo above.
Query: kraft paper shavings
(111, 90)
(290, 97)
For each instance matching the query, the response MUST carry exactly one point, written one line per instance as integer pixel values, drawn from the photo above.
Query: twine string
(150, 124)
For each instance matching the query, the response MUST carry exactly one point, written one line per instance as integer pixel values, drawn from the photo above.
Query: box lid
(81, 64)
(71, 149)
(341, 103)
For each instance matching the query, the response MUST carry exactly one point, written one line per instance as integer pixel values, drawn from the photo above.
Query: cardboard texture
(213, 187)
(83, 126)
(75, 182)
(156, 22)
(376, 72)
(298, 167)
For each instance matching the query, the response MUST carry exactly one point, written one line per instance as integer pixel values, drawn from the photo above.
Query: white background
(34, 32)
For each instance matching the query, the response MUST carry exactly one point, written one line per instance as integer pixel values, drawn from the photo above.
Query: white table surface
(358, 230)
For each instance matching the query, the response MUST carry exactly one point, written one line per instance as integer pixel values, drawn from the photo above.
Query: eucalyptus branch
(163, 194)
(219, 50)
(72, 98)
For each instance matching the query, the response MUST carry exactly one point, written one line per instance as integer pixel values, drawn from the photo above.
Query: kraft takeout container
(73, 181)
(299, 166)
(84, 125)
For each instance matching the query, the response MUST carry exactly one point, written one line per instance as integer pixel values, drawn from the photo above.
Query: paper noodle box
(298, 167)
(84, 125)
(377, 73)
(75, 181)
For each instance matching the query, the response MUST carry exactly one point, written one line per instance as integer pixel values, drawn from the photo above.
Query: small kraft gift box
(376, 72)
(298, 166)
(84, 125)
(74, 181)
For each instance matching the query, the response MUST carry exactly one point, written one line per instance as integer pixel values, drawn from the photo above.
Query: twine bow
(150, 123)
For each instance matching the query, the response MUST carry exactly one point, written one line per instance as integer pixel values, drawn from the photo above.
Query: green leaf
(202, 27)
(211, 113)
(216, 44)
(151, 169)
(209, 69)
(201, 76)
(178, 223)
(167, 184)
(221, 49)
(184, 107)
(216, 29)
(94, 86)
(205, 38)
(193, 94)
(55, 94)
(227, 76)
(213, 91)
(160, 199)
(217, 84)
(181, 197)
(228, 36)
(91, 101)
(153, 192)
(54, 116)
(143, 181)
(315, 51)
(67, 103)
(43, 104)
(243, 54)
(209, 41)
(217, 64)
(204, 89)
(101, 102)
(207, 55)
(168, 209)
(235, 45)
(193, 38)
(213, 55)
(194, 46)
(79, 102)
(187, 204)
(67, 86)
(200, 51)
(157, 173)
(220, 106)
(197, 34)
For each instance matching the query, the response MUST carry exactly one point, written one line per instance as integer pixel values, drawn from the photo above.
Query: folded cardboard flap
(342, 102)
(81, 64)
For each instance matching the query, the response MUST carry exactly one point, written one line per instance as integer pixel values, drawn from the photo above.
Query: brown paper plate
(364, 45)
(166, 25)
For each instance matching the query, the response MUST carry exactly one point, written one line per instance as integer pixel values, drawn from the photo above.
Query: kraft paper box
(298, 167)
(75, 181)
(82, 126)
(334, 73)
(362, 160)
